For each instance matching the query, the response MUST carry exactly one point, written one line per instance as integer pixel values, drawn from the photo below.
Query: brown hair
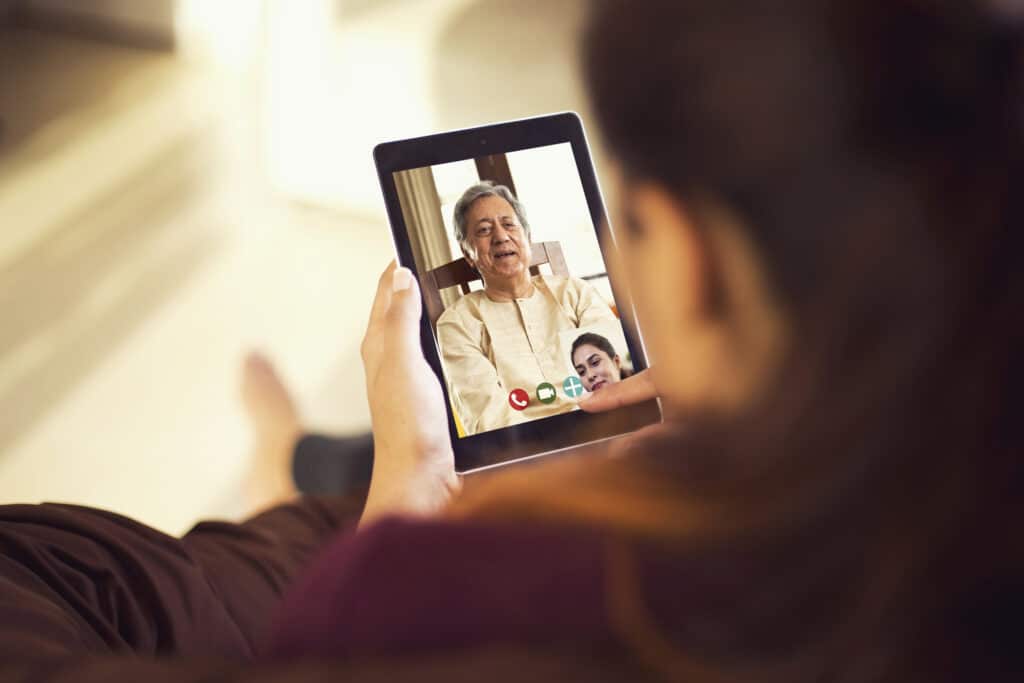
(873, 150)
(601, 342)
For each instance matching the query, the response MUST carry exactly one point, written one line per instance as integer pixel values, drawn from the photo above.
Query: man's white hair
(485, 188)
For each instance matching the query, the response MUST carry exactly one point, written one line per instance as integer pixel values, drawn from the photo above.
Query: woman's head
(801, 173)
(821, 222)
(595, 361)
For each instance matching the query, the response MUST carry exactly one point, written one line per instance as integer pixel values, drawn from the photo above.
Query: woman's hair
(870, 500)
(600, 342)
(485, 188)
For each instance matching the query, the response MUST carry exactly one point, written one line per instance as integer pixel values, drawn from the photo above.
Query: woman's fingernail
(401, 279)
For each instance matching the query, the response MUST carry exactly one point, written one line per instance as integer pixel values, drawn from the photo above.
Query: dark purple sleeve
(89, 596)
(403, 587)
(79, 582)
(493, 665)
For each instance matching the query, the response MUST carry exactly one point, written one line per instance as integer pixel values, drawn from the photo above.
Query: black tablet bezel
(559, 431)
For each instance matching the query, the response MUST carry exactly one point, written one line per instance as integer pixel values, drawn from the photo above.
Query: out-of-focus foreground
(183, 180)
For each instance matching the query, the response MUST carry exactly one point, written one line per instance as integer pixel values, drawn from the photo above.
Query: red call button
(519, 399)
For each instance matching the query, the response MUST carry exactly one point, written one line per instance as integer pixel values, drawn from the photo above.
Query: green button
(546, 393)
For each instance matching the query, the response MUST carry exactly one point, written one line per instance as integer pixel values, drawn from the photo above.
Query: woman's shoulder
(408, 584)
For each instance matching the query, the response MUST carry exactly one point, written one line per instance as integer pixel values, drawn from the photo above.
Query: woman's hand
(413, 463)
(635, 389)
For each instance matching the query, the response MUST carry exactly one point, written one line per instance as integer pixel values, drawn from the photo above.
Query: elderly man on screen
(506, 336)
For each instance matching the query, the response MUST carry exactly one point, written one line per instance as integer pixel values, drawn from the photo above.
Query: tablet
(505, 229)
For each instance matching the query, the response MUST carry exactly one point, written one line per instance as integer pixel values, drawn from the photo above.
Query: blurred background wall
(184, 180)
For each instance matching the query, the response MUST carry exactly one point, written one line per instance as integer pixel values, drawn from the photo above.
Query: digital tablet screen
(518, 302)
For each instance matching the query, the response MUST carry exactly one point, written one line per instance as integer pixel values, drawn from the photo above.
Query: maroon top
(88, 596)
(402, 586)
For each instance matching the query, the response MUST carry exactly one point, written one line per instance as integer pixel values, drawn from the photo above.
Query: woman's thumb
(405, 295)
(636, 389)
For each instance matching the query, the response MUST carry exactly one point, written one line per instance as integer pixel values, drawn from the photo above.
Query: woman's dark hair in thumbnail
(598, 341)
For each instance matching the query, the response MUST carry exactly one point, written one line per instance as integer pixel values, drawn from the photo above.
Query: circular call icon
(572, 386)
(546, 392)
(519, 399)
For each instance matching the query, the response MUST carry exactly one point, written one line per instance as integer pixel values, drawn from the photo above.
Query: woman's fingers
(395, 315)
(636, 389)
(406, 306)
(382, 300)
(378, 311)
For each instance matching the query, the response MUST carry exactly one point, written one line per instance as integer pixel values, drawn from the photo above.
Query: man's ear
(469, 259)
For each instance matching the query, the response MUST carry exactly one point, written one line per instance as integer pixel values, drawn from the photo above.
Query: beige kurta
(489, 348)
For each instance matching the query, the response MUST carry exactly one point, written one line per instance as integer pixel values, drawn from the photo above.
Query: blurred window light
(228, 33)
(298, 103)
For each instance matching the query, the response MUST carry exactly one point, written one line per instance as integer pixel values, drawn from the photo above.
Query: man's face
(499, 247)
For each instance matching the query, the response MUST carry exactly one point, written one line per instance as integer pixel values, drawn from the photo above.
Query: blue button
(572, 386)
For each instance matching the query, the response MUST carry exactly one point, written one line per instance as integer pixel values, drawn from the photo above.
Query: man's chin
(511, 269)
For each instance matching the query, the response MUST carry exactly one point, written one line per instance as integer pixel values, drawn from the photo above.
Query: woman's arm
(499, 664)
(413, 461)
(78, 582)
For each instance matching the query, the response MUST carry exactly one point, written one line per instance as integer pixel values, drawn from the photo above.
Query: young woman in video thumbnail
(596, 361)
